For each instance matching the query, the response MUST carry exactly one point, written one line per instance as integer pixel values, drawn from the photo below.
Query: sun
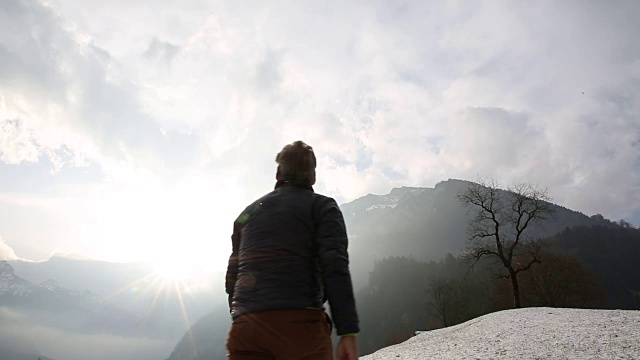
(174, 271)
(180, 230)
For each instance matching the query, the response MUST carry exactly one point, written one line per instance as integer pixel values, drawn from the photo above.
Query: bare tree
(441, 291)
(561, 281)
(502, 221)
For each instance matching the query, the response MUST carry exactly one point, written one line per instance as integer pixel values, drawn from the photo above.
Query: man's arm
(232, 267)
(347, 348)
(331, 241)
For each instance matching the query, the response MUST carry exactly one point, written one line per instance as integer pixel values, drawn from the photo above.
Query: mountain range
(128, 301)
(66, 308)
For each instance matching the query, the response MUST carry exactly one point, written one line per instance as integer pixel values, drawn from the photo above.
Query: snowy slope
(532, 333)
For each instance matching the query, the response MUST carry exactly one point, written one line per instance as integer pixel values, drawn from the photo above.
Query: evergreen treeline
(583, 267)
(612, 253)
(402, 297)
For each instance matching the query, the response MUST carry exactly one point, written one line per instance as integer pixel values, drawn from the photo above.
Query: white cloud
(72, 94)
(16, 143)
(6, 252)
(388, 94)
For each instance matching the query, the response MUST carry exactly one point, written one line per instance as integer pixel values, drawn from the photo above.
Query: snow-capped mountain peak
(51, 285)
(5, 268)
(12, 284)
(389, 201)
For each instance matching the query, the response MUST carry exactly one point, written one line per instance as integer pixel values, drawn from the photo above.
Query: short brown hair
(298, 161)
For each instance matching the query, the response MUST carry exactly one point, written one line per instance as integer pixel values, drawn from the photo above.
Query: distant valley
(98, 303)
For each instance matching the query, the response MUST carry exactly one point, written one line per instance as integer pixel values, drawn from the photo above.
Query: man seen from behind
(289, 256)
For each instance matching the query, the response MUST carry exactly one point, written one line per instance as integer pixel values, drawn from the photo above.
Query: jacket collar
(293, 182)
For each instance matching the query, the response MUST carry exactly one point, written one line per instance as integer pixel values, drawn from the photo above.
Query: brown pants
(291, 334)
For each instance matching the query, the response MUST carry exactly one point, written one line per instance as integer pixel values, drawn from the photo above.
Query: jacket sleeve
(331, 242)
(232, 267)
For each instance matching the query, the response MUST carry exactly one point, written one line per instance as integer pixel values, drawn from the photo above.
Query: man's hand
(348, 348)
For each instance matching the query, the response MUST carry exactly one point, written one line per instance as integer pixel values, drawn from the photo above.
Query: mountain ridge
(424, 223)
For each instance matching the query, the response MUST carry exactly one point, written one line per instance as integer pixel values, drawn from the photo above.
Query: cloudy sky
(139, 130)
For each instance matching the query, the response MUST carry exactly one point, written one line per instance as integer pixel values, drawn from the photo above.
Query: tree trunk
(516, 288)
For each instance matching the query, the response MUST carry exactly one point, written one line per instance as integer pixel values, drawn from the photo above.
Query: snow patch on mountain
(380, 206)
(51, 285)
(373, 202)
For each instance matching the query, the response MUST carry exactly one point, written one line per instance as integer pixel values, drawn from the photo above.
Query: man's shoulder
(316, 198)
(324, 201)
(252, 208)
(324, 197)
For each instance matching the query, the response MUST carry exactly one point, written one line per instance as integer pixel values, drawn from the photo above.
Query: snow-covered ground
(531, 333)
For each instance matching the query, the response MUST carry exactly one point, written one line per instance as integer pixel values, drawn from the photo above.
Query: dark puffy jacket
(290, 252)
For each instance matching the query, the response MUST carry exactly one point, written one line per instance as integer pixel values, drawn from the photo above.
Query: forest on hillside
(582, 267)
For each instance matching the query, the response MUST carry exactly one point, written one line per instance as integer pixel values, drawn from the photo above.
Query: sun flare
(174, 272)
(181, 230)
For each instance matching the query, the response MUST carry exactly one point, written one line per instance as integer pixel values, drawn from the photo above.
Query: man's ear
(278, 174)
(312, 179)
